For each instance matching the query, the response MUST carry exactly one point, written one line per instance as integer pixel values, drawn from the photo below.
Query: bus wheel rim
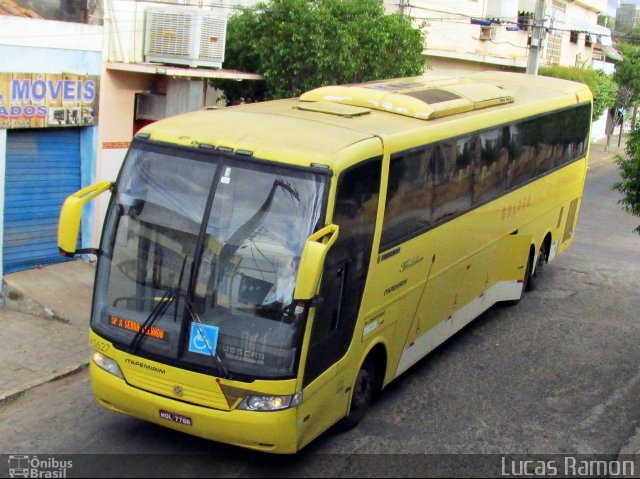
(363, 389)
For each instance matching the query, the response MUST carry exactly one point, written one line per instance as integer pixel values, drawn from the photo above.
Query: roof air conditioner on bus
(185, 36)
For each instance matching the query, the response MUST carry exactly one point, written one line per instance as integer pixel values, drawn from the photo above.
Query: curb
(633, 445)
(16, 300)
(599, 158)
(16, 393)
(593, 164)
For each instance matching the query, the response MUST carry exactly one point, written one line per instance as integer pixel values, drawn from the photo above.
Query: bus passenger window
(561, 132)
(409, 195)
(453, 182)
(489, 178)
(530, 152)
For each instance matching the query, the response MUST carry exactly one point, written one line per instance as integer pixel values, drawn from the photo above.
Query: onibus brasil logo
(34, 466)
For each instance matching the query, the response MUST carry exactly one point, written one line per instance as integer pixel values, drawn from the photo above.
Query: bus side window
(453, 183)
(490, 173)
(346, 266)
(409, 195)
(531, 152)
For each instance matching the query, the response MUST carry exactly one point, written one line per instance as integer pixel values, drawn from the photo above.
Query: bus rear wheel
(535, 276)
(363, 391)
(525, 283)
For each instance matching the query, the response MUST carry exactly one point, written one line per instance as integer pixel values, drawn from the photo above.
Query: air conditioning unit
(185, 36)
(487, 33)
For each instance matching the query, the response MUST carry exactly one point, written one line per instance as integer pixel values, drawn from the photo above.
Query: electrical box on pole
(537, 37)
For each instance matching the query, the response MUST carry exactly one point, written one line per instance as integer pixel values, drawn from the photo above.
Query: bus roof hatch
(417, 98)
(333, 108)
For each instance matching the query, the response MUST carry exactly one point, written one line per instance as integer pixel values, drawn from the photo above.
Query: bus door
(343, 281)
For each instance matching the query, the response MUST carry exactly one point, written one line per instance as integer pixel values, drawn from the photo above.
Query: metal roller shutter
(42, 169)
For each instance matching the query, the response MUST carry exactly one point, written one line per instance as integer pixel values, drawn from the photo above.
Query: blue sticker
(203, 339)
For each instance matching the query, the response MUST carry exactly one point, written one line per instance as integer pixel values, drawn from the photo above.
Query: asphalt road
(557, 374)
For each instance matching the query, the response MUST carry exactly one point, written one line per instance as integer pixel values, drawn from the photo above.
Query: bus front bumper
(274, 432)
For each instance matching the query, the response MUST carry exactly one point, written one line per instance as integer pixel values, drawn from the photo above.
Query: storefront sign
(36, 100)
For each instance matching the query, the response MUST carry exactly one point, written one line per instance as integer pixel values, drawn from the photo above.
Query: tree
(628, 70)
(298, 45)
(630, 172)
(602, 86)
(627, 73)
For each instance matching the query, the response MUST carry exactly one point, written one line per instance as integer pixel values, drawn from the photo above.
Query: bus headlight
(107, 364)
(270, 403)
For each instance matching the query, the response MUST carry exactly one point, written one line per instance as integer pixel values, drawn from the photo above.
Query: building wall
(576, 18)
(3, 152)
(599, 126)
(452, 31)
(52, 47)
(64, 10)
(457, 67)
(125, 22)
(627, 16)
(117, 104)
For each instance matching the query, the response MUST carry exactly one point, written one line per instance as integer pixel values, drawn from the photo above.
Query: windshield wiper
(158, 310)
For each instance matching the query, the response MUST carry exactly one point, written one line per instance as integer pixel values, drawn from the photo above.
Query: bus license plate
(179, 418)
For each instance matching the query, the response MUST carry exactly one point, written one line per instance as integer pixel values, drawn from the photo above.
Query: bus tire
(363, 391)
(536, 275)
(525, 283)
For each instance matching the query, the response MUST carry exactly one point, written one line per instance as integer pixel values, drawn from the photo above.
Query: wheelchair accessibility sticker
(203, 339)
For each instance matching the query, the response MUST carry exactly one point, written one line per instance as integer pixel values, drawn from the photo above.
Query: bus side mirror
(312, 261)
(71, 214)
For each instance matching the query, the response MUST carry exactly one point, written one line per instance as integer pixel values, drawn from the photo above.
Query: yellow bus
(265, 270)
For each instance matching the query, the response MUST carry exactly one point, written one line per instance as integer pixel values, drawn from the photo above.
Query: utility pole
(537, 36)
(402, 5)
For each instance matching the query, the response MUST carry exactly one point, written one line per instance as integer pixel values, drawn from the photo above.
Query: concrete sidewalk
(44, 326)
(601, 153)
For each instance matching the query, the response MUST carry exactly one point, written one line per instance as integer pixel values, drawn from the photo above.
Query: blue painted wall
(3, 156)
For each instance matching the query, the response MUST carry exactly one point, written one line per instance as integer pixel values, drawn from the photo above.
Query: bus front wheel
(363, 390)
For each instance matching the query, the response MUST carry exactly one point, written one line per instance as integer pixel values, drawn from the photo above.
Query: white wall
(450, 33)
(29, 32)
(598, 127)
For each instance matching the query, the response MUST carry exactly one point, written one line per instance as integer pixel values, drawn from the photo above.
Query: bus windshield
(203, 250)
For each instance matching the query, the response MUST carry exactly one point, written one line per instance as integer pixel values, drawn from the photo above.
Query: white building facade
(627, 16)
(468, 35)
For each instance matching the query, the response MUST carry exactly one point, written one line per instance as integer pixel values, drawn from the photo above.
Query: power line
(460, 19)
